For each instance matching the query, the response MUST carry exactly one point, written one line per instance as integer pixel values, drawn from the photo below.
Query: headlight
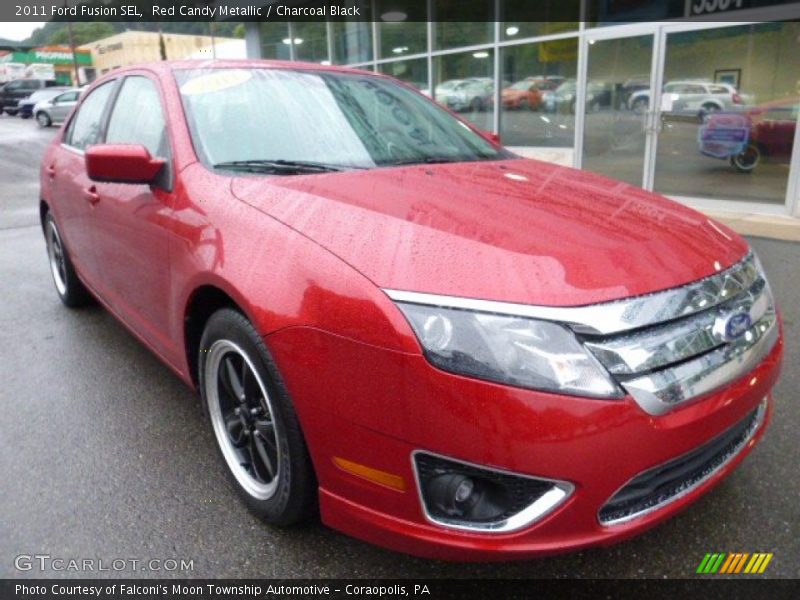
(513, 350)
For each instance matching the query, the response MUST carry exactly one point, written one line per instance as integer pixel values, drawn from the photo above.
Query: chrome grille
(691, 348)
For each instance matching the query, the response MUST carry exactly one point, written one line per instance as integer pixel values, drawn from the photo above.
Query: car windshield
(323, 118)
(522, 85)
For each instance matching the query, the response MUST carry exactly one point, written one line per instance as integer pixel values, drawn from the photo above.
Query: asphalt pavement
(105, 454)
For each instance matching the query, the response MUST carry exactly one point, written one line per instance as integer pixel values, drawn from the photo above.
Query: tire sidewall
(289, 503)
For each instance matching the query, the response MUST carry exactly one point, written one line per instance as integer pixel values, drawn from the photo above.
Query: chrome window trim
(615, 316)
(541, 507)
(759, 421)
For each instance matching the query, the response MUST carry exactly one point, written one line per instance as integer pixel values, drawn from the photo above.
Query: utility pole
(72, 50)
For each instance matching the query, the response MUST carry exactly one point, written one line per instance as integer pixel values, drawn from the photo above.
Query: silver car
(55, 110)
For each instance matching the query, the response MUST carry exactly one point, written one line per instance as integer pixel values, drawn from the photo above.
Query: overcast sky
(17, 31)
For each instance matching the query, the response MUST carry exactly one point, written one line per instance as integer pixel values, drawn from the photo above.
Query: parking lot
(105, 454)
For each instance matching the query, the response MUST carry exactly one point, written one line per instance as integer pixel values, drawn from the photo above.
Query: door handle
(51, 170)
(91, 195)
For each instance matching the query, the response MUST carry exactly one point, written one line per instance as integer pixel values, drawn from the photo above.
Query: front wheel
(43, 119)
(254, 423)
(69, 287)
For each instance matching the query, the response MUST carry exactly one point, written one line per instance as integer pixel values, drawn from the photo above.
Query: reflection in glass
(542, 17)
(273, 34)
(451, 32)
(614, 131)
(310, 41)
(413, 72)
(402, 27)
(729, 112)
(352, 42)
(465, 83)
(537, 97)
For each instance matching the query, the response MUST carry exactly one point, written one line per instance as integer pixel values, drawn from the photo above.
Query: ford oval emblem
(737, 325)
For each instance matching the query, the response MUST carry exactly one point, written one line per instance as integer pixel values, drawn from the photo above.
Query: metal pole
(72, 50)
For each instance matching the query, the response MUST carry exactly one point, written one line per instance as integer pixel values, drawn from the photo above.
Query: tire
(640, 105)
(254, 423)
(69, 287)
(25, 116)
(43, 119)
(524, 104)
(11, 112)
(708, 109)
(747, 160)
(476, 105)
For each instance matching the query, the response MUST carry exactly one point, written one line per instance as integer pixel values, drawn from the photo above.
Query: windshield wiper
(279, 166)
(431, 160)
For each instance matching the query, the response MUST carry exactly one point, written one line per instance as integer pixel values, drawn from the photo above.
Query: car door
(71, 199)
(131, 220)
(62, 105)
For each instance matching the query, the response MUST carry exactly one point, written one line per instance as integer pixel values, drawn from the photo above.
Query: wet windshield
(282, 118)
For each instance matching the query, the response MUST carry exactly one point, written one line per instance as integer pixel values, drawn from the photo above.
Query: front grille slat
(664, 364)
(667, 482)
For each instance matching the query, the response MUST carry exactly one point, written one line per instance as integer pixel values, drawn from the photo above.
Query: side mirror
(122, 163)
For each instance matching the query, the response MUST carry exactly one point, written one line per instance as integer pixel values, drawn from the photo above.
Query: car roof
(164, 67)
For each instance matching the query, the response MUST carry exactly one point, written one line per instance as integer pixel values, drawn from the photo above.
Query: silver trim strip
(659, 392)
(662, 345)
(759, 421)
(618, 315)
(544, 505)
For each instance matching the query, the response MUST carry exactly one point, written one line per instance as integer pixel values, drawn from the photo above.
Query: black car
(25, 106)
(14, 91)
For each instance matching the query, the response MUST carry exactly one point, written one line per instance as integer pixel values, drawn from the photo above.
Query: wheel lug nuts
(237, 411)
(255, 411)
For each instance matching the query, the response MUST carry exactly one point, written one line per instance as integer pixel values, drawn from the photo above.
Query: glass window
(617, 96)
(139, 96)
(465, 83)
(402, 28)
(340, 119)
(542, 17)
(450, 31)
(414, 72)
(85, 128)
(538, 98)
(722, 143)
(352, 42)
(274, 37)
(310, 41)
(65, 97)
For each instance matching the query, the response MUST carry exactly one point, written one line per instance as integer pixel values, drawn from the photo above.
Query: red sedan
(446, 349)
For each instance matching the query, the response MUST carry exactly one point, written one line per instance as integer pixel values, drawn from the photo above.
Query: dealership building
(690, 103)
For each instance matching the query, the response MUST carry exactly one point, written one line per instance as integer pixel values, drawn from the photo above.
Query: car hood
(515, 230)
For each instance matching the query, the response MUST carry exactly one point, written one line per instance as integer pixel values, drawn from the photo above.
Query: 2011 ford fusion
(444, 348)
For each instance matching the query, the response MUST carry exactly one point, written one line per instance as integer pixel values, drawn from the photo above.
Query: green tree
(82, 33)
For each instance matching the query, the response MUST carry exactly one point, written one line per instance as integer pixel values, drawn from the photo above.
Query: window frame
(165, 180)
(69, 125)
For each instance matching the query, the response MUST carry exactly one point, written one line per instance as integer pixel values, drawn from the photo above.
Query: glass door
(618, 112)
(729, 111)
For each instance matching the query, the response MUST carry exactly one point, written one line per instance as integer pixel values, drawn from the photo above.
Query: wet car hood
(515, 230)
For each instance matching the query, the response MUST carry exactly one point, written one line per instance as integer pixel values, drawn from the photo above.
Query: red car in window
(446, 349)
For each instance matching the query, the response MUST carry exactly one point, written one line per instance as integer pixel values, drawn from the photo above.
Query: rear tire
(69, 287)
(747, 160)
(254, 423)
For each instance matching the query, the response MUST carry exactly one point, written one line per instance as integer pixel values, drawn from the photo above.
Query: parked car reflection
(745, 139)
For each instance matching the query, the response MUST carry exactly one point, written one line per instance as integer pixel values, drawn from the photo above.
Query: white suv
(693, 97)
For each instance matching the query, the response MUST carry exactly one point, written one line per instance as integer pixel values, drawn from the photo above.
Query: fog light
(465, 496)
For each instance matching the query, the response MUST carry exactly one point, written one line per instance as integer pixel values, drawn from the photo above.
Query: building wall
(132, 47)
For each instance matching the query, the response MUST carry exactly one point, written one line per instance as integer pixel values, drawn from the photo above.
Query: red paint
(304, 258)
(122, 163)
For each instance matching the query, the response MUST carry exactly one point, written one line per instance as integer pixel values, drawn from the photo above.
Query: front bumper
(376, 407)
